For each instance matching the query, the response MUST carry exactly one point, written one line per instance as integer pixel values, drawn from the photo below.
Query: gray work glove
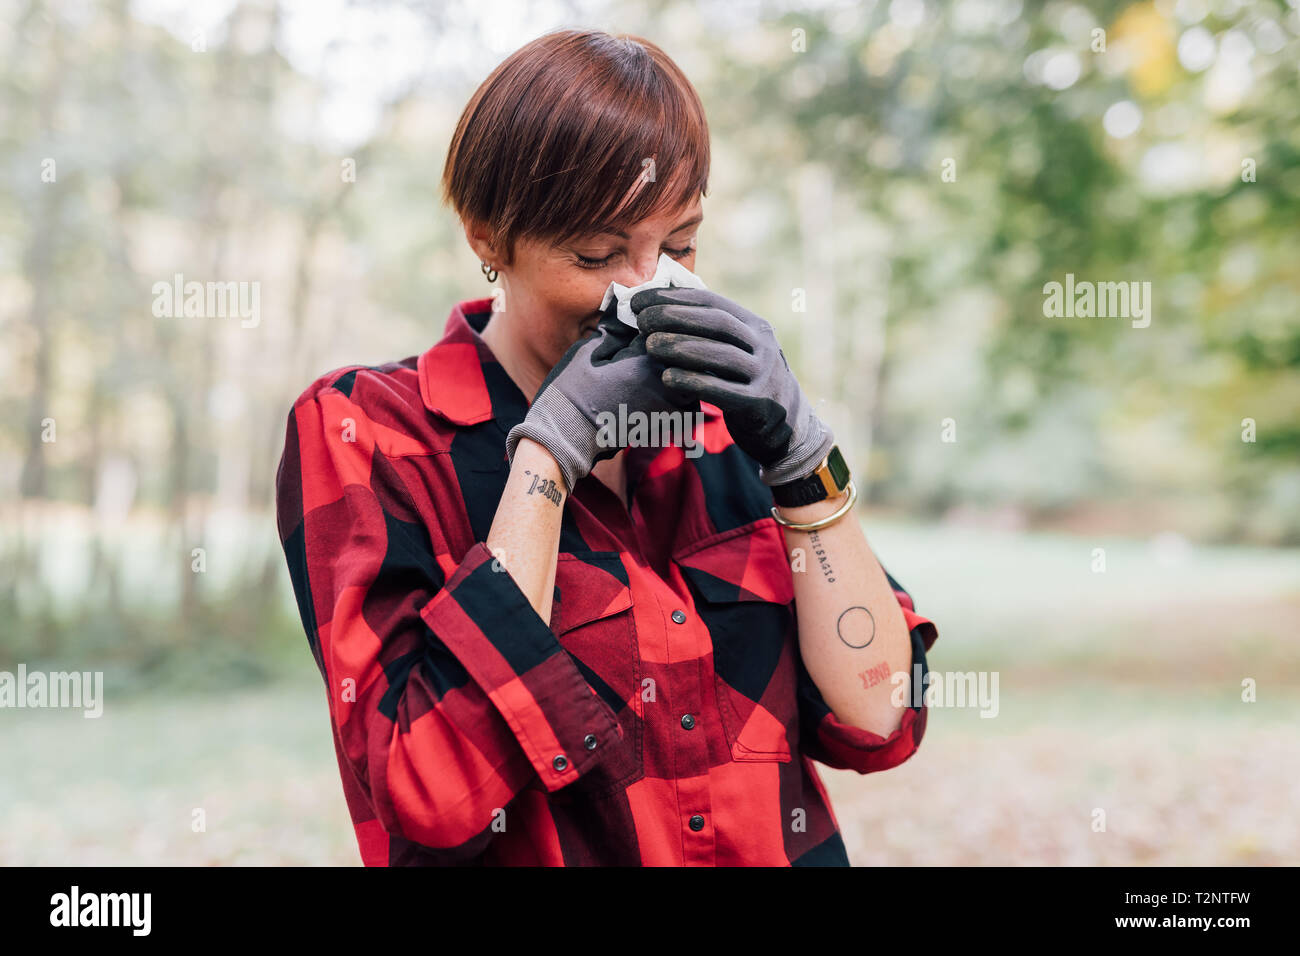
(606, 368)
(722, 353)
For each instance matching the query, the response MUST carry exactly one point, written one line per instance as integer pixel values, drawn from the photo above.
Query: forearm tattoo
(856, 627)
(823, 561)
(874, 675)
(546, 487)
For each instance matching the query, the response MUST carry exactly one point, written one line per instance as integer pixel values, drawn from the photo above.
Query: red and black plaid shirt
(663, 716)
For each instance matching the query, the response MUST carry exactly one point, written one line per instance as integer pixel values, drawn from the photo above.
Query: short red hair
(553, 140)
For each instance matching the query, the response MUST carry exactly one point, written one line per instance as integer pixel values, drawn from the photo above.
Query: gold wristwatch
(829, 480)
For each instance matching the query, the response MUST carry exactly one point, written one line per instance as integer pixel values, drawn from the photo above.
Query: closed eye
(586, 263)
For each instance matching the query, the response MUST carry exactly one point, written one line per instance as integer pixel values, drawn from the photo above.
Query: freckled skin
(549, 299)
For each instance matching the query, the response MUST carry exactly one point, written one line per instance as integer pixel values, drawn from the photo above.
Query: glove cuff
(812, 447)
(555, 423)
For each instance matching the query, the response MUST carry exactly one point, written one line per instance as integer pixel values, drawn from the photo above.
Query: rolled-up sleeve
(513, 656)
(828, 740)
(448, 693)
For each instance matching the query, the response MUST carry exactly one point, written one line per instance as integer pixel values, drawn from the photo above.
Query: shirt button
(688, 721)
(697, 822)
(590, 741)
(560, 762)
(679, 616)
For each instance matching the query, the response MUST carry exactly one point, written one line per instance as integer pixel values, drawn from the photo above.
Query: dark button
(688, 721)
(697, 822)
(590, 741)
(679, 616)
(560, 762)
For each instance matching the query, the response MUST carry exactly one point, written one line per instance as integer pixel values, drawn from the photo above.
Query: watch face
(837, 466)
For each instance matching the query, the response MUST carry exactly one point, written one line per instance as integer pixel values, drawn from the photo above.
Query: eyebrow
(689, 222)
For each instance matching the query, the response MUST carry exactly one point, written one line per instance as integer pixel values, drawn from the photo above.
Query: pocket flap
(589, 585)
(748, 563)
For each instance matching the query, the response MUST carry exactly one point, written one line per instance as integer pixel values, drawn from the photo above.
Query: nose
(641, 270)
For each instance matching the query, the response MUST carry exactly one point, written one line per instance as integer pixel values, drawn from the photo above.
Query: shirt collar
(455, 372)
(452, 380)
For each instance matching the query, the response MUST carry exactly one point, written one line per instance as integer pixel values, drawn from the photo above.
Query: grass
(1176, 781)
(1119, 692)
(123, 789)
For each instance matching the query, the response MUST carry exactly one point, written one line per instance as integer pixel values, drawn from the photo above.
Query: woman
(544, 640)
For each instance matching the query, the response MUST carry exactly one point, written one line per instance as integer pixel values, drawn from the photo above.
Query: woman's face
(555, 289)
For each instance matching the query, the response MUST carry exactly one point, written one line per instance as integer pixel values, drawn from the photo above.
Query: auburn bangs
(577, 133)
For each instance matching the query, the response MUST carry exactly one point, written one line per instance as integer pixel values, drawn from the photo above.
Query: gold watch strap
(827, 480)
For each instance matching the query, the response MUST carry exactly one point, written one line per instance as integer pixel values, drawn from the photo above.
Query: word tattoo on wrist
(546, 487)
(823, 561)
(855, 630)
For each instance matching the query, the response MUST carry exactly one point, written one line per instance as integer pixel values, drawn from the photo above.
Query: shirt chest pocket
(744, 591)
(591, 616)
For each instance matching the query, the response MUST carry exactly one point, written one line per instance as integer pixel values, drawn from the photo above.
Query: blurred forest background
(915, 171)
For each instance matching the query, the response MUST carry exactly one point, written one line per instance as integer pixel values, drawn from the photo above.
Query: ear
(478, 237)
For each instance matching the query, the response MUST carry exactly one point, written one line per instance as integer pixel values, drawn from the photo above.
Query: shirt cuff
(866, 752)
(486, 621)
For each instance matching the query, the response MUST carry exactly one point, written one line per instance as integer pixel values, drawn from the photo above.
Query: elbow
(442, 795)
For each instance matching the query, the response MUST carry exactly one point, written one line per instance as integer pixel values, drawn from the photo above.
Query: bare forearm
(525, 532)
(852, 634)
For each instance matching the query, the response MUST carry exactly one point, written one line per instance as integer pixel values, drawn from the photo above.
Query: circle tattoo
(852, 629)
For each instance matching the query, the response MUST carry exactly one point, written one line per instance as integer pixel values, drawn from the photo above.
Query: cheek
(565, 294)
(577, 295)
(567, 303)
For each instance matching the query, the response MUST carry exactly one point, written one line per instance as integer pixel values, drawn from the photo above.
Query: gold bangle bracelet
(821, 522)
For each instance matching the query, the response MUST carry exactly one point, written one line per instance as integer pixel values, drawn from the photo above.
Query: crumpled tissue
(669, 274)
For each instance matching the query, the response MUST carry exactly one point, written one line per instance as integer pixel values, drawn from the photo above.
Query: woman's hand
(724, 354)
(607, 368)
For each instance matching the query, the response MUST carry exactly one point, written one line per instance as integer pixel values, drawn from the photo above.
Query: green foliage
(214, 164)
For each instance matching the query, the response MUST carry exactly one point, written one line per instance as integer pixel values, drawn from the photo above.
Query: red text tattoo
(874, 675)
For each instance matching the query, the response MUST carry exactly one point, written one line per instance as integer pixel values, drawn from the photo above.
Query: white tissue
(669, 274)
